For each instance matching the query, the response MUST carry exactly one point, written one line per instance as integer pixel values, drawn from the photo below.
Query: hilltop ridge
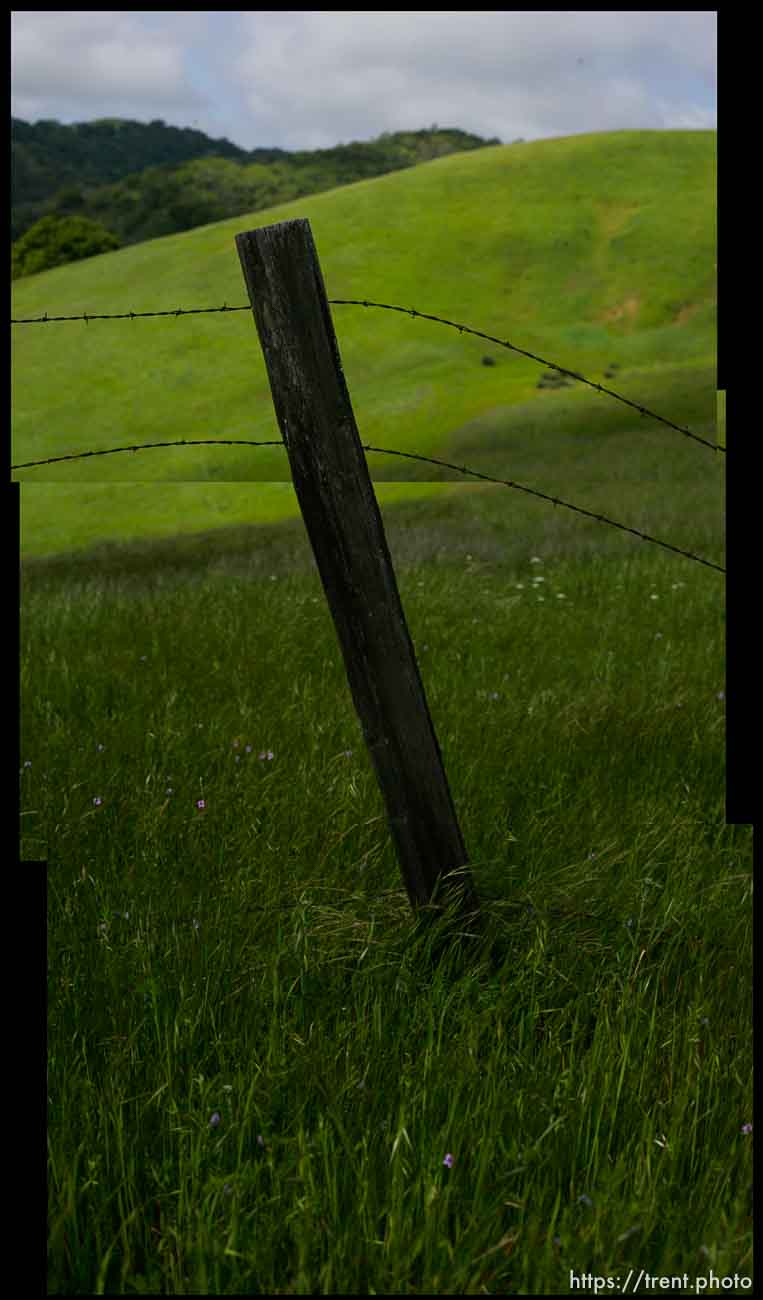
(143, 180)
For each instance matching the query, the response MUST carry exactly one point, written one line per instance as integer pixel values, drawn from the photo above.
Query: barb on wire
(386, 451)
(408, 311)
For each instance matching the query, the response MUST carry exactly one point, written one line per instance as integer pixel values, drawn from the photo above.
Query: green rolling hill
(144, 180)
(594, 251)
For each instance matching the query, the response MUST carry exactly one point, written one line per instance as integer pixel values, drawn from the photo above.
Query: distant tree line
(86, 188)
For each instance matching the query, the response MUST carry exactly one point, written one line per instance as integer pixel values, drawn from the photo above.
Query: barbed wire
(386, 451)
(143, 446)
(504, 343)
(408, 311)
(123, 315)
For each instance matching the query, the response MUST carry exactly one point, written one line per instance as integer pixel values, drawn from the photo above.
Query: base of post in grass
(450, 927)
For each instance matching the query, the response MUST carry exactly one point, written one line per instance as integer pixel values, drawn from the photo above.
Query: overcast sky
(310, 80)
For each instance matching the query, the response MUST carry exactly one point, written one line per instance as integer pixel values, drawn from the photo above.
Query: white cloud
(82, 58)
(310, 79)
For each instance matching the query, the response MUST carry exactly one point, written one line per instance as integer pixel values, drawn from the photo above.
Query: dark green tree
(54, 241)
(69, 200)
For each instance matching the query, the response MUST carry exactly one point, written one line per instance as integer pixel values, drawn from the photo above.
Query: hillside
(141, 180)
(48, 158)
(591, 251)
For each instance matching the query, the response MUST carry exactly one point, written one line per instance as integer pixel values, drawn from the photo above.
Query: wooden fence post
(344, 525)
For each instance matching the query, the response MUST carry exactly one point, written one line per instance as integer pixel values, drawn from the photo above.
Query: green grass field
(259, 1080)
(253, 957)
(588, 250)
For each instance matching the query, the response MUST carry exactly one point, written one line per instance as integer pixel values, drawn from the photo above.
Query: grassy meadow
(591, 251)
(260, 1078)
